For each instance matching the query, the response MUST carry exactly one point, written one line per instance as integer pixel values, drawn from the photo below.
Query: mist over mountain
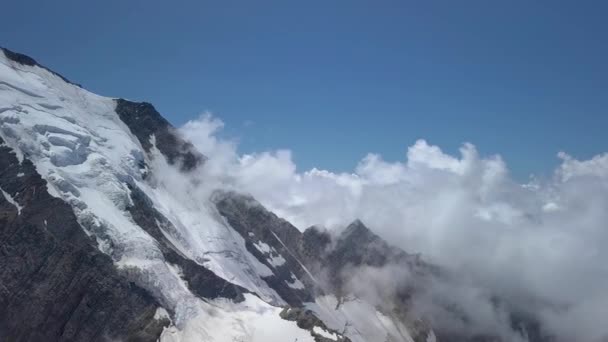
(117, 226)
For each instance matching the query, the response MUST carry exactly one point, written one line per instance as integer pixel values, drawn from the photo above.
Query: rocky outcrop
(273, 241)
(55, 285)
(145, 122)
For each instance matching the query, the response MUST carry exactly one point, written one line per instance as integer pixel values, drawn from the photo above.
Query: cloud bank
(540, 244)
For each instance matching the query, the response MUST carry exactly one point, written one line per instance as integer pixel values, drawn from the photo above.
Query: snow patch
(264, 248)
(274, 258)
(161, 313)
(322, 332)
(12, 201)
(295, 283)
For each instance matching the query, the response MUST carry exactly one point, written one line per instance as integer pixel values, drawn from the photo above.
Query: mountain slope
(93, 161)
(55, 283)
(107, 232)
(110, 230)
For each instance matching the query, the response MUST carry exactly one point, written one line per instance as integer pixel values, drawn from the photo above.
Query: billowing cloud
(540, 244)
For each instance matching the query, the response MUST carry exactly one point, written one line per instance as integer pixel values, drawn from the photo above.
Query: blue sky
(334, 80)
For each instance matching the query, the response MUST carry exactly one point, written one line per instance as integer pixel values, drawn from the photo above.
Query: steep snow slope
(358, 320)
(89, 158)
(200, 233)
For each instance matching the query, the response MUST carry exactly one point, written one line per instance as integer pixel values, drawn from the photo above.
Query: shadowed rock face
(55, 285)
(306, 319)
(144, 122)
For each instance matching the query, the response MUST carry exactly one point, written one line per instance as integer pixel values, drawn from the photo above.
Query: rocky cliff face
(273, 241)
(145, 122)
(55, 285)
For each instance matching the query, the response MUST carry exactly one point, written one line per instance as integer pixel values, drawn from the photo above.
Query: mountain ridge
(29, 61)
(186, 264)
(101, 157)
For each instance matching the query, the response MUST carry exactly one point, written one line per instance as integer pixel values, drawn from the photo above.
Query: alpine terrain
(98, 244)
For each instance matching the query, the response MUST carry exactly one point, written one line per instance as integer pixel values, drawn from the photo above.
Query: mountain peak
(29, 61)
(19, 57)
(359, 231)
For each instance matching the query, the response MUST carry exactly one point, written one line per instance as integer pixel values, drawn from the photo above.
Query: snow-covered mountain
(101, 239)
(110, 231)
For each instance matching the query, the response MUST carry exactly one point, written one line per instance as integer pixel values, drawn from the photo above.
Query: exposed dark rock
(145, 121)
(315, 242)
(313, 247)
(327, 258)
(306, 319)
(260, 227)
(55, 285)
(29, 61)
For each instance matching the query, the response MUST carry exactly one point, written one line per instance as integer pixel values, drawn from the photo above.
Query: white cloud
(544, 240)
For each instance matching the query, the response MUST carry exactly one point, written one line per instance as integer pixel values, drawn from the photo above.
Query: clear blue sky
(333, 80)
